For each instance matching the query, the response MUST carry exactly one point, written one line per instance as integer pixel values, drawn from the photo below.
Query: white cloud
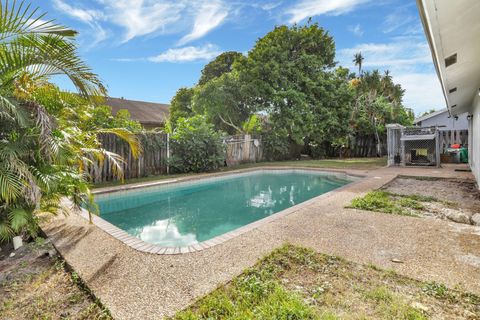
(399, 18)
(187, 54)
(356, 30)
(146, 17)
(87, 16)
(410, 64)
(402, 54)
(309, 8)
(422, 91)
(143, 17)
(269, 6)
(209, 15)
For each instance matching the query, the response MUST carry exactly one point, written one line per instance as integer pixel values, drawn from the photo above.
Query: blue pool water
(186, 213)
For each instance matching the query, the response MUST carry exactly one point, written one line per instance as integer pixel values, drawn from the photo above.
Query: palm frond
(11, 186)
(18, 18)
(6, 231)
(43, 56)
(9, 110)
(19, 218)
(126, 135)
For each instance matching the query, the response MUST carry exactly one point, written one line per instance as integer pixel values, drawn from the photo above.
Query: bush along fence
(159, 158)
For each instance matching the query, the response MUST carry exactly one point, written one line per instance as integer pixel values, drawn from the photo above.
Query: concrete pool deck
(138, 285)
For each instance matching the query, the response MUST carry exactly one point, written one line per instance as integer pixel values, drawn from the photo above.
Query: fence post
(437, 147)
(168, 152)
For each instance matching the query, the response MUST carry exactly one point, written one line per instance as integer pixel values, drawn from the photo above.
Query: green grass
(353, 163)
(386, 202)
(297, 283)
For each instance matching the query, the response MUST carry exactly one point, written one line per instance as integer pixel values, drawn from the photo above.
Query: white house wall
(449, 123)
(474, 145)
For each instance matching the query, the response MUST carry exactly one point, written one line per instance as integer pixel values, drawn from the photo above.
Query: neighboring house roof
(430, 115)
(147, 113)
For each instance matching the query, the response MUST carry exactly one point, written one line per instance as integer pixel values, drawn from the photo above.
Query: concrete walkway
(136, 285)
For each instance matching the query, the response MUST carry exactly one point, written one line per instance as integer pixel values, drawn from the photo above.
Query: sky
(147, 49)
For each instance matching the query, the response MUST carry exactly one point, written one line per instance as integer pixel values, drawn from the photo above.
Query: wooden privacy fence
(154, 158)
(243, 149)
(365, 146)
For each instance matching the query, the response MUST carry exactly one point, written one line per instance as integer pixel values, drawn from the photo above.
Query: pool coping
(146, 247)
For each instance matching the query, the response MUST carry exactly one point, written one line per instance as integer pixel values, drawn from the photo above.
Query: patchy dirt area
(297, 283)
(456, 199)
(34, 284)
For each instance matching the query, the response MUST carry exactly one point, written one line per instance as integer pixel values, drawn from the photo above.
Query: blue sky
(146, 50)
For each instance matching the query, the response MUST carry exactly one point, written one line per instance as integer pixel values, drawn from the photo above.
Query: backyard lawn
(297, 283)
(351, 163)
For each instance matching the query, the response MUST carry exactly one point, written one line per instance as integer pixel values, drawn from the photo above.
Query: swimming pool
(187, 213)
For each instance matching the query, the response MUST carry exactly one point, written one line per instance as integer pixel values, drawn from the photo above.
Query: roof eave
(433, 50)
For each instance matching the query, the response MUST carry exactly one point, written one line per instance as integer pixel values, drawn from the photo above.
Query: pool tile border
(146, 247)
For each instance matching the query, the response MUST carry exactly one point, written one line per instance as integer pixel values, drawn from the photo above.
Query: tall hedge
(196, 146)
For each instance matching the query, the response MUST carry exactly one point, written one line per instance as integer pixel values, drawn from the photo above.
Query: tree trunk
(379, 147)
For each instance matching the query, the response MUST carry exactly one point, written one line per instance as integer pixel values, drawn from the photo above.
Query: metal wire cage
(417, 146)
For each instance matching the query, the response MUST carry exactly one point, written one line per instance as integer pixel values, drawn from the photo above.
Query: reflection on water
(182, 215)
(165, 233)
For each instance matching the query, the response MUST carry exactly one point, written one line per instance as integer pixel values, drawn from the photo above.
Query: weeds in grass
(379, 294)
(278, 287)
(435, 289)
(386, 202)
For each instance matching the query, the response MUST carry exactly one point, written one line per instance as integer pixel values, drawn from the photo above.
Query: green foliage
(382, 201)
(44, 148)
(253, 125)
(276, 145)
(220, 65)
(298, 283)
(358, 61)
(102, 117)
(256, 294)
(223, 101)
(181, 106)
(378, 102)
(287, 71)
(196, 146)
(435, 289)
(289, 78)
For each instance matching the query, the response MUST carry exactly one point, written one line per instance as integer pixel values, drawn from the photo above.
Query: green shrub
(383, 201)
(196, 146)
(276, 145)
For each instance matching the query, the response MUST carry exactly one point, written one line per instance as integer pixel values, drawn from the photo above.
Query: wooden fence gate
(243, 149)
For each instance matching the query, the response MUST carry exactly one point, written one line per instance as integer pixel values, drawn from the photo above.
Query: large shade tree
(225, 102)
(222, 64)
(290, 72)
(43, 158)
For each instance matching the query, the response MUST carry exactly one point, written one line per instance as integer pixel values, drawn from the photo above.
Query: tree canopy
(291, 81)
(220, 65)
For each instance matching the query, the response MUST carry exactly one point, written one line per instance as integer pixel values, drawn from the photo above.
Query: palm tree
(42, 159)
(358, 61)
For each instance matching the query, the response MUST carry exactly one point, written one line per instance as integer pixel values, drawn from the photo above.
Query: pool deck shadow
(138, 285)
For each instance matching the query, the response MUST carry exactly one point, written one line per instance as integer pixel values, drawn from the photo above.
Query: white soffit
(453, 27)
